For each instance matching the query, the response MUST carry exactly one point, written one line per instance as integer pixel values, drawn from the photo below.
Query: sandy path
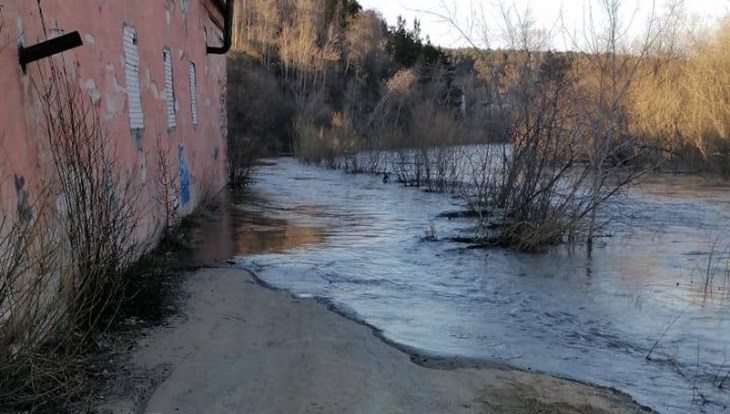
(243, 348)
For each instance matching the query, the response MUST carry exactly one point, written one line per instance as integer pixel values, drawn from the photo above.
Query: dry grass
(716, 273)
(315, 144)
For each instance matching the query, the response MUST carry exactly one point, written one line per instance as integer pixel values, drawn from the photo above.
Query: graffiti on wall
(184, 177)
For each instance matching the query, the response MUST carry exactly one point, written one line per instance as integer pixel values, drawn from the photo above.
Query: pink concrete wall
(183, 26)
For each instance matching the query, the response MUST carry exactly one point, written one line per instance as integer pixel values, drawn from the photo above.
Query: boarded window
(131, 75)
(193, 94)
(169, 88)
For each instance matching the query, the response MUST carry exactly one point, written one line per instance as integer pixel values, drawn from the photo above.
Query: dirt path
(243, 348)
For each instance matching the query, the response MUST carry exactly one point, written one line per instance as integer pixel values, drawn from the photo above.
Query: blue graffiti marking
(184, 177)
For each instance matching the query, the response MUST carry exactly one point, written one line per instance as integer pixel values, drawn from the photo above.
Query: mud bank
(240, 347)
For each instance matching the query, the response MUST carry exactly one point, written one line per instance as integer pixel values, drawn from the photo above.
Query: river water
(360, 244)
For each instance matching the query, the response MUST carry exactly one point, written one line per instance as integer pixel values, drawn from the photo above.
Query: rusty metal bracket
(48, 48)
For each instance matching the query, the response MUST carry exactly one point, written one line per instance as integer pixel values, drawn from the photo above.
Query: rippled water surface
(360, 244)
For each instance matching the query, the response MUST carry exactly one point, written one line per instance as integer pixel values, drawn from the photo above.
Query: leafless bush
(207, 186)
(98, 216)
(479, 173)
(431, 233)
(407, 167)
(32, 314)
(434, 130)
(716, 272)
(537, 189)
(569, 147)
(547, 186)
(434, 168)
(445, 160)
(63, 260)
(314, 144)
(422, 126)
(168, 187)
(345, 143)
(38, 354)
(260, 119)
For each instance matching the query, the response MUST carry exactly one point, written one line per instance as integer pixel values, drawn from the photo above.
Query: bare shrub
(260, 119)
(32, 315)
(406, 167)
(314, 144)
(569, 149)
(32, 309)
(207, 186)
(168, 187)
(417, 119)
(98, 216)
(480, 170)
(538, 190)
(716, 272)
(346, 143)
(433, 130)
(63, 260)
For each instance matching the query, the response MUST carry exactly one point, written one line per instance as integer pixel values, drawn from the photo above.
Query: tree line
(333, 83)
(325, 78)
(322, 78)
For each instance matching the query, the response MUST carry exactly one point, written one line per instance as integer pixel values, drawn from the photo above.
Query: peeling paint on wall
(184, 5)
(150, 85)
(91, 88)
(114, 95)
(116, 87)
(99, 70)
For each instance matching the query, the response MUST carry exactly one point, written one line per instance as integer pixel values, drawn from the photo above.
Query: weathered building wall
(174, 30)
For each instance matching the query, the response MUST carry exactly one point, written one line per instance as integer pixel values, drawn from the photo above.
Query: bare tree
(570, 149)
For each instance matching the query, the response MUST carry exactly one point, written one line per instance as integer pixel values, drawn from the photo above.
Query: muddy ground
(239, 347)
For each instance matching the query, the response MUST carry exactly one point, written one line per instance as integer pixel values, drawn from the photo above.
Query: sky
(550, 15)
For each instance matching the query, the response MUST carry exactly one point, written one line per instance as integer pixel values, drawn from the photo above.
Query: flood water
(359, 244)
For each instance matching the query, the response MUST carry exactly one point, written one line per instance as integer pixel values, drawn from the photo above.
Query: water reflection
(360, 244)
(244, 223)
(216, 241)
(255, 231)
